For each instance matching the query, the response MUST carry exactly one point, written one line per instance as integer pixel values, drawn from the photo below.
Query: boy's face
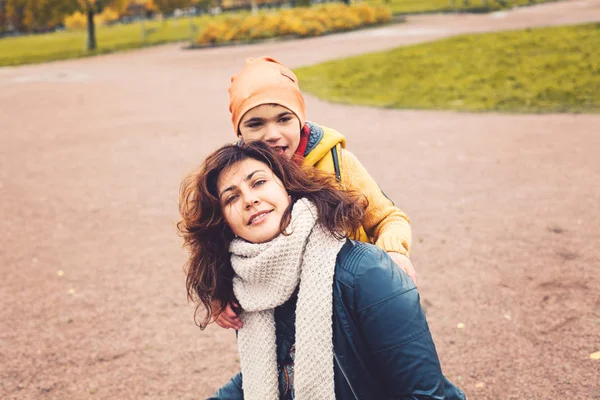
(274, 124)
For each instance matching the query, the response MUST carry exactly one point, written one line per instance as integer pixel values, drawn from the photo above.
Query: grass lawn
(72, 44)
(424, 6)
(541, 70)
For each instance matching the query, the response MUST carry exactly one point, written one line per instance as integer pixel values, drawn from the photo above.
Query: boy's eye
(285, 119)
(254, 125)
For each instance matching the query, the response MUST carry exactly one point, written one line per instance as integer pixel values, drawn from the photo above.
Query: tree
(168, 6)
(43, 15)
(15, 14)
(33, 15)
(90, 8)
(3, 17)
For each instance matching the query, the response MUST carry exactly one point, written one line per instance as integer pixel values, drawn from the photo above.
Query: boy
(266, 104)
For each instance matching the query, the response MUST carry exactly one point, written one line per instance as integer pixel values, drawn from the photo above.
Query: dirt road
(505, 212)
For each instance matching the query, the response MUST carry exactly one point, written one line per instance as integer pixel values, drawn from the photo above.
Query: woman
(324, 317)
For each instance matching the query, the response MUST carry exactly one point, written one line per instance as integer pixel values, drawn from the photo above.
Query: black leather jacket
(382, 345)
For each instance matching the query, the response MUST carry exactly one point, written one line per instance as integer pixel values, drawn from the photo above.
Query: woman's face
(253, 200)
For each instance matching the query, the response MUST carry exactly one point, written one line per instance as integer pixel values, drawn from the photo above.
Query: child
(266, 104)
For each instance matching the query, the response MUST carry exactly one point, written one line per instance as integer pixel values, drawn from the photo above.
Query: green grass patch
(72, 44)
(540, 71)
(429, 6)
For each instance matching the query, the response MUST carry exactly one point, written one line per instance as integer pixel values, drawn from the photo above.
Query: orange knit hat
(264, 80)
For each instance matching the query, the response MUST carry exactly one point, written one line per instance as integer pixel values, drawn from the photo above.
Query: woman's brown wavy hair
(207, 236)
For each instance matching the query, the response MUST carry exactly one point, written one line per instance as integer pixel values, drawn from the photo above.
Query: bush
(214, 32)
(299, 22)
(366, 13)
(290, 25)
(383, 14)
(76, 21)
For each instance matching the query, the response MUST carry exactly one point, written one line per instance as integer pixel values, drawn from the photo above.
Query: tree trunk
(91, 30)
(142, 24)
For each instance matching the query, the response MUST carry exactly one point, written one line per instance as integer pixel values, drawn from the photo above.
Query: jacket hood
(320, 143)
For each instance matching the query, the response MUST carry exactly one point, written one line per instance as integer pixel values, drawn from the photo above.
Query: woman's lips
(258, 217)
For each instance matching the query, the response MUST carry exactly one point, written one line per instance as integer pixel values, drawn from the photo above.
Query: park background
(479, 119)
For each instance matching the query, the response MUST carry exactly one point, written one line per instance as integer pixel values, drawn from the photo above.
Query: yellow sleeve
(385, 224)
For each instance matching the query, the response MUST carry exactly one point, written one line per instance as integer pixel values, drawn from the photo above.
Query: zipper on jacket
(345, 376)
(336, 164)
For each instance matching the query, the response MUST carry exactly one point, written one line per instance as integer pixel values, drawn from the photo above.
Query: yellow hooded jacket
(383, 224)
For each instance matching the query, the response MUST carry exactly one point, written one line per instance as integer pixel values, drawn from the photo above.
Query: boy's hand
(227, 318)
(404, 264)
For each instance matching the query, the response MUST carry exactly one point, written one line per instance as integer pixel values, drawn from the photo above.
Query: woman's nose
(251, 201)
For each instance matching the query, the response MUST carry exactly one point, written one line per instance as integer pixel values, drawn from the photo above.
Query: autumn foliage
(297, 22)
(45, 15)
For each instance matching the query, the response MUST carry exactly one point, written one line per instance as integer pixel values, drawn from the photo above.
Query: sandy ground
(505, 212)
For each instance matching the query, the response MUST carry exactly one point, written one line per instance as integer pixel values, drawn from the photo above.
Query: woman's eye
(230, 199)
(259, 182)
(283, 120)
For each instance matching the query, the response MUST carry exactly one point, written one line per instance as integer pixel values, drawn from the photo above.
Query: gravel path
(504, 208)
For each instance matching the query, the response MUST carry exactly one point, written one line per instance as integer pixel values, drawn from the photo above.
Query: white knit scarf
(266, 275)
